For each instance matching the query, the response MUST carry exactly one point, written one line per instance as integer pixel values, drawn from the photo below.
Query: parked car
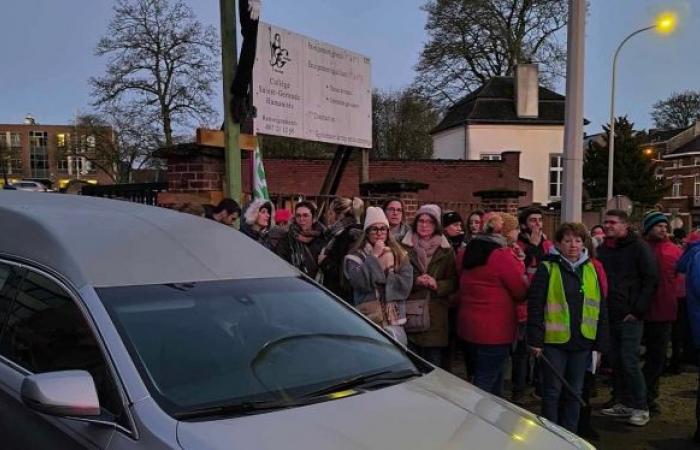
(29, 185)
(127, 326)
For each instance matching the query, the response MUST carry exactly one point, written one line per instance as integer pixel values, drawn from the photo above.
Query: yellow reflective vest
(557, 323)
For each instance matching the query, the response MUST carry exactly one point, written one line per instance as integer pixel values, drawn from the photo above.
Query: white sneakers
(637, 417)
(618, 410)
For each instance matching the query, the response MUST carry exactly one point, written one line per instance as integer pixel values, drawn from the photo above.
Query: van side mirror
(65, 393)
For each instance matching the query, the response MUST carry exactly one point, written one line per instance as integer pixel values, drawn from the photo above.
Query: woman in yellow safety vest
(567, 320)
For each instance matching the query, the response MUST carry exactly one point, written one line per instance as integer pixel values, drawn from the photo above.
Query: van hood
(435, 412)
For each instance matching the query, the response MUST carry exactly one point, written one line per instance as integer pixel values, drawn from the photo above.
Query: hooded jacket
(664, 305)
(251, 216)
(632, 276)
(491, 284)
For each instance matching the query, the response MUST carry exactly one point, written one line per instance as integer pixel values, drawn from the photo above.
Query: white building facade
(509, 114)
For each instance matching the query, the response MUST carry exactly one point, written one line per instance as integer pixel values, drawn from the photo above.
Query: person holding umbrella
(567, 320)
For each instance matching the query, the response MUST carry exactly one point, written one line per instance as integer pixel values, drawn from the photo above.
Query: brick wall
(195, 175)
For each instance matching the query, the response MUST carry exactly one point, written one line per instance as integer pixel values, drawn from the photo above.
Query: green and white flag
(259, 181)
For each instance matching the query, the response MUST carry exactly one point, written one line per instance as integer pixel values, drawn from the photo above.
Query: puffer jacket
(632, 276)
(689, 265)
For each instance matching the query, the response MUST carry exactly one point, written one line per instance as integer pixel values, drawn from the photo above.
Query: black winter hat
(451, 217)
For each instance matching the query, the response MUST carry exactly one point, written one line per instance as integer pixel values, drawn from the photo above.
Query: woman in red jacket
(491, 284)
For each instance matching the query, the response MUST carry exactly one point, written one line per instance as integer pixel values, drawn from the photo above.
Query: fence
(146, 193)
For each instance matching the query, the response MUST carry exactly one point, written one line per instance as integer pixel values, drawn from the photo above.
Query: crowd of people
(495, 287)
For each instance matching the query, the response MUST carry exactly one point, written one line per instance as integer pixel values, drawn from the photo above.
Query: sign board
(307, 89)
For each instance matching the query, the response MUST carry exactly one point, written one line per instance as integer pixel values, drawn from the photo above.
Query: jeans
(520, 358)
(487, 362)
(558, 404)
(657, 336)
(628, 380)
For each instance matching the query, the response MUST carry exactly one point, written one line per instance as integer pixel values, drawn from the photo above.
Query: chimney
(527, 89)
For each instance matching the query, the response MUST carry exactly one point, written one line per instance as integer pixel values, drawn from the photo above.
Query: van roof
(100, 242)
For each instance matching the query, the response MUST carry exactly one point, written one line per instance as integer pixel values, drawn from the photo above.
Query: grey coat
(368, 279)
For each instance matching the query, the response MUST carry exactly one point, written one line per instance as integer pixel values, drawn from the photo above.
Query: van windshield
(206, 344)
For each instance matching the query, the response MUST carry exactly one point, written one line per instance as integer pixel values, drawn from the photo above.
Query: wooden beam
(215, 138)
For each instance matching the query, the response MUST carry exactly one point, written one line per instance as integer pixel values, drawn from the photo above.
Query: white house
(509, 114)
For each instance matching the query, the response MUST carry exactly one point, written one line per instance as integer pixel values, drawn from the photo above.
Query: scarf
(492, 238)
(301, 256)
(305, 237)
(334, 231)
(425, 249)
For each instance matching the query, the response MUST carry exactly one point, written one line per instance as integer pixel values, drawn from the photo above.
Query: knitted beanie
(375, 215)
(451, 217)
(653, 218)
(433, 211)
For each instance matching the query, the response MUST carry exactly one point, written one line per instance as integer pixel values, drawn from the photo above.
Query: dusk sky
(47, 49)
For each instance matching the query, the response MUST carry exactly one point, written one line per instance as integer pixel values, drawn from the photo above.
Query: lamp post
(665, 24)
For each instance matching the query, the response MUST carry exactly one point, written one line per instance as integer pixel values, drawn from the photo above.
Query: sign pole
(229, 61)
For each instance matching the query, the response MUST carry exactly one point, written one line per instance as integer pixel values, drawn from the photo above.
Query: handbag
(418, 313)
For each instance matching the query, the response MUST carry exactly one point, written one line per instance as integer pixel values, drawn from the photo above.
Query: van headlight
(577, 442)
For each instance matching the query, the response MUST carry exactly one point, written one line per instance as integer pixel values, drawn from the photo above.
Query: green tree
(680, 110)
(470, 41)
(163, 62)
(401, 123)
(633, 171)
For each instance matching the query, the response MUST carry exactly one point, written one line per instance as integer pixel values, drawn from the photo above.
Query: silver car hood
(437, 411)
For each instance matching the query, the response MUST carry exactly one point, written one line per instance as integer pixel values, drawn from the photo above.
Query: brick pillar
(405, 190)
(195, 175)
(500, 200)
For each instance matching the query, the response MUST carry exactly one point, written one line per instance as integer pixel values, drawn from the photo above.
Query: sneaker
(639, 417)
(618, 410)
(610, 403)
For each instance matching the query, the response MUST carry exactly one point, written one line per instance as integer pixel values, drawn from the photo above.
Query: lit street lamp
(665, 24)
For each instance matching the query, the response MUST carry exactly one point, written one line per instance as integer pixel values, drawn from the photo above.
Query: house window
(11, 152)
(696, 187)
(696, 161)
(659, 173)
(490, 156)
(556, 170)
(676, 188)
(39, 154)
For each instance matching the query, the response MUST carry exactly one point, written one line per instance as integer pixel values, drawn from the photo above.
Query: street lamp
(665, 23)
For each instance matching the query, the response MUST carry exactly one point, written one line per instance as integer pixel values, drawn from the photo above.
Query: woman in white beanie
(434, 279)
(380, 274)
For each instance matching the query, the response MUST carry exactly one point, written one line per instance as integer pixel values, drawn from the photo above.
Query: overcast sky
(47, 50)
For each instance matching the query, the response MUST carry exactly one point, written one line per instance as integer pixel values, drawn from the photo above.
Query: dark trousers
(558, 404)
(656, 336)
(681, 342)
(434, 355)
(520, 358)
(628, 381)
(487, 362)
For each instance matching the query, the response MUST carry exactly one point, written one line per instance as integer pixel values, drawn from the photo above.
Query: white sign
(307, 89)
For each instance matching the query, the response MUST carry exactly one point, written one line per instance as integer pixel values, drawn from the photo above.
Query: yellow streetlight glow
(666, 22)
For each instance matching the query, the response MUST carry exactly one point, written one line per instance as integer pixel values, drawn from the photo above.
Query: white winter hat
(374, 216)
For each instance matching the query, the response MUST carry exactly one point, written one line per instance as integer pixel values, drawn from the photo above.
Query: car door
(44, 330)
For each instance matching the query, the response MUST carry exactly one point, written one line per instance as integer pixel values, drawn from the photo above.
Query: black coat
(537, 301)
(632, 276)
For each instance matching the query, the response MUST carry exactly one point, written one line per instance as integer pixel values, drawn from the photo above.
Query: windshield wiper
(388, 376)
(235, 409)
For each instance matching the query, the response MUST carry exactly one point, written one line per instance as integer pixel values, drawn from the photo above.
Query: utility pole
(572, 196)
(232, 131)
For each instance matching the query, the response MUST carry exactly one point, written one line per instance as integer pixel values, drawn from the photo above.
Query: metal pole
(229, 61)
(611, 134)
(573, 129)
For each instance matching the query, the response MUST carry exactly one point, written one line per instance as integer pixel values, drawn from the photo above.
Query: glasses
(378, 229)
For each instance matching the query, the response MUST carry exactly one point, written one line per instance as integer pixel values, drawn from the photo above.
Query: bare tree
(680, 110)
(471, 41)
(116, 140)
(163, 62)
